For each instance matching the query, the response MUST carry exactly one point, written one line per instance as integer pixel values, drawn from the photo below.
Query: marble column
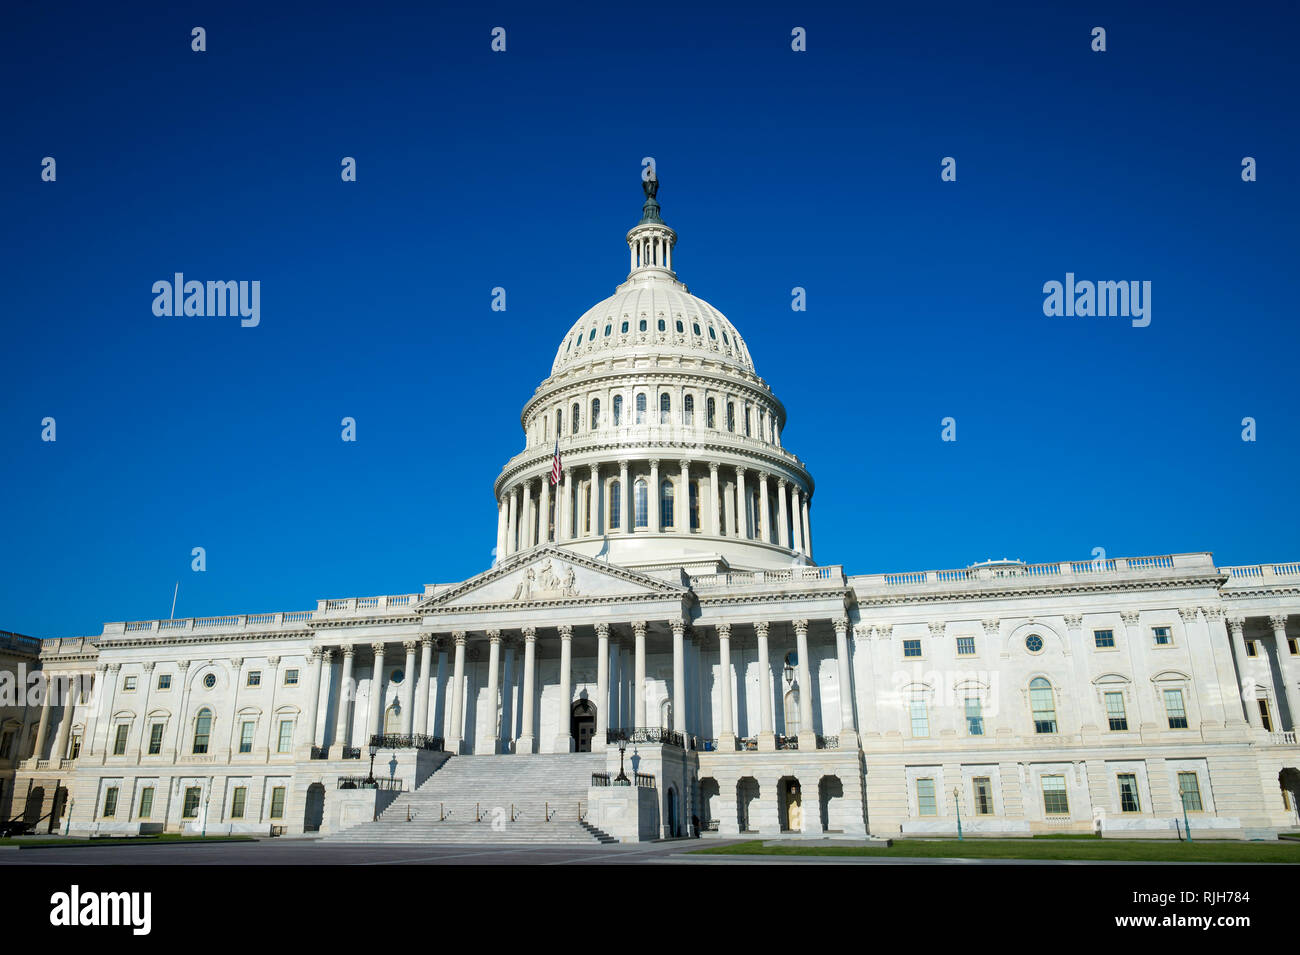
(529, 536)
(593, 502)
(313, 695)
(763, 521)
(487, 743)
(457, 695)
(508, 707)
(347, 692)
(807, 733)
(848, 728)
(727, 734)
(714, 526)
(783, 514)
(527, 740)
(422, 690)
(43, 726)
(766, 736)
(1246, 679)
(602, 687)
(679, 676)
(512, 529)
(564, 737)
(639, 691)
(544, 511)
(408, 687)
(625, 499)
(503, 518)
(565, 532)
(807, 527)
(796, 523)
(682, 512)
(376, 703)
(1286, 666)
(60, 750)
(742, 510)
(1226, 683)
(652, 498)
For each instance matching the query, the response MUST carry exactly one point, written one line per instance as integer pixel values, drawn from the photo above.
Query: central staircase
(469, 800)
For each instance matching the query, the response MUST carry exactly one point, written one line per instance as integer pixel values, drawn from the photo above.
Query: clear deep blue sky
(521, 170)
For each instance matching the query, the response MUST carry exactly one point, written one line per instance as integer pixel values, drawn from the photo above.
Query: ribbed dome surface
(652, 314)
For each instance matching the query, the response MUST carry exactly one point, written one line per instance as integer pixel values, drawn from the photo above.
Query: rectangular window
(983, 795)
(1189, 790)
(290, 677)
(110, 802)
(1174, 709)
(1128, 793)
(286, 737)
(164, 681)
(254, 678)
(1265, 716)
(155, 739)
(925, 804)
(1115, 712)
(75, 749)
(1163, 636)
(146, 802)
(965, 646)
(1251, 649)
(1293, 646)
(277, 802)
(920, 719)
(1055, 800)
(128, 684)
(974, 716)
(1103, 638)
(237, 802)
(246, 737)
(119, 741)
(191, 807)
(911, 648)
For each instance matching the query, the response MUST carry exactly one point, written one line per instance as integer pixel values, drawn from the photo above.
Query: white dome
(652, 314)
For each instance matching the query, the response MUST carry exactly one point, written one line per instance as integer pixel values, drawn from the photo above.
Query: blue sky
(478, 169)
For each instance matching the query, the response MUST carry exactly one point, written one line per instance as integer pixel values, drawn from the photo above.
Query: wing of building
(655, 650)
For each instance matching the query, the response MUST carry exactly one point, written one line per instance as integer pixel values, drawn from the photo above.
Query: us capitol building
(655, 651)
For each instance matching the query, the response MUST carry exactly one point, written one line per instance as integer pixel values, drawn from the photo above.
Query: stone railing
(1282, 738)
(1261, 573)
(996, 573)
(288, 620)
(757, 579)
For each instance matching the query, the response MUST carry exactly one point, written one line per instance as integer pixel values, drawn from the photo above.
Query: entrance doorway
(315, 811)
(582, 725)
(791, 805)
(672, 812)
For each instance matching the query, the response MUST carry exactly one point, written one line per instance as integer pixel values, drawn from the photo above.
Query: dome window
(665, 408)
(696, 326)
(592, 336)
(577, 412)
(608, 329)
(713, 334)
(641, 502)
(680, 327)
(624, 329)
(640, 408)
(618, 410)
(643, 324)
(663, 326)
(725, 341)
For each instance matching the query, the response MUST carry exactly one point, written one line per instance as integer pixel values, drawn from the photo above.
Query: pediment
(550, 576)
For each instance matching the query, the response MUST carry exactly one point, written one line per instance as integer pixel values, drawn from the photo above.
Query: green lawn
(29, 842)
(1082, 849)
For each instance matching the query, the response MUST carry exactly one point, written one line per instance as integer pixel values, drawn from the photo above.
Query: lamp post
(1187, 826)
(373, 749)
(621, 779)
(956, 800)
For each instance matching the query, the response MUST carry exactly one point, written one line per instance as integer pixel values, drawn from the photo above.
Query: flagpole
(174, 593)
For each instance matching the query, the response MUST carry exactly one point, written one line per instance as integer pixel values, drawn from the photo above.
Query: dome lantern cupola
(650, 241)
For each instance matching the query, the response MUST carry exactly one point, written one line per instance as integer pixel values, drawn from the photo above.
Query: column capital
(494, 637)
(678, 625)
(1188, 614)
(602, 631)
(114, 667)
(427, 640)
(530, 634)
(639, 628)
(937, 628)
(326, 653)
(624, 464)
(1236, 625)
(1278, 620)
(740, 470)
(885, 631)
(274, 661)
(1213, 613)
(841, 625)
(861, 631)
(348, 650)
(377, 648)
(761, 628)
(762, 474)
(237, 663)
(724, 631)
(801, 627)
(410, 646)
(566, 631)
(458, 636)
(595, 468)
(1130, 617)
(713, 468)
(684, 463)
(1073, 621)
(149, 664)
(654, 464)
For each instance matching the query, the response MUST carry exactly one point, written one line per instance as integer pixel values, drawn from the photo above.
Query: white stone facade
(665, 590)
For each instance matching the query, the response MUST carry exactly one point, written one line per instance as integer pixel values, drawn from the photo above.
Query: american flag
(555, 464)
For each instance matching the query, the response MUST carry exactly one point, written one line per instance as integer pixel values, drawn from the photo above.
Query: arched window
(623, 329)
(747, 419)
(594, 420)
(761, 430)
(710, 418)
(688, 410)
(731, 416)
(665, 504)
(615, 504)
(559, 422)
(618, 410)
(202, 730)
(640, 408)
(792, 712)
(680, 327)
(665, 407)
(642, 505)
(662, 326)
(756, 514)
(577, 414)
(695, 505)
(643, 325)
(1042, 702)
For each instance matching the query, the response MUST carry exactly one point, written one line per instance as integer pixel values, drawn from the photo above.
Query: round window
(398, 676)
(210, 680)
(1033, 643)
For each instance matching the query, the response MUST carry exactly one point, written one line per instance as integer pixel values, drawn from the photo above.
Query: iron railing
(787, 742)
(320, 752)
(406, 741)
(365, 782)
(645, 734)
(351, 752)
(828, 742)
(645, 780)
(600, 779)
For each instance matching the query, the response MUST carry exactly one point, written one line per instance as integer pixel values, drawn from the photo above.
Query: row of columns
(1256, 672)
(523, 516)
